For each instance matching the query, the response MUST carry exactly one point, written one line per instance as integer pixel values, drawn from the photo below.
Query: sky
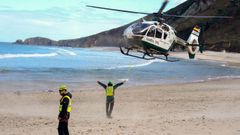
(68, 19)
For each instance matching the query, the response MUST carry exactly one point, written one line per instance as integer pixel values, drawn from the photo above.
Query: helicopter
(154, 39)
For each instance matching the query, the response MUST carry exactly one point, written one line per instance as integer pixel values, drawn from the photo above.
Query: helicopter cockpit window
(138, 28)
(151, 32)
(158, 34)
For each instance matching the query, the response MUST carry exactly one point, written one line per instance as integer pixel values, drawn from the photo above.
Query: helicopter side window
(158, 34)
(151, 32)
(144, 32)
(165, 35)
(138, 28)
(166, 28)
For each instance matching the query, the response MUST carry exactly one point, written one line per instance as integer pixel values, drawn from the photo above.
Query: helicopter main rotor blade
(160, 13)
(119, 10)
(203, 17)
(163, 7)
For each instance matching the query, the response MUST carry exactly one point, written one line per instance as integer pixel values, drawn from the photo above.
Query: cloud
(63, 19)
(4, 7)
(41, 22)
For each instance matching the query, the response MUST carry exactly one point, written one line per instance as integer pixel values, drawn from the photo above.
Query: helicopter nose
(128, 33)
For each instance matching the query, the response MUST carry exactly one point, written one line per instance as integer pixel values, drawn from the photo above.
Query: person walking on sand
(65, 108)
(110, 92)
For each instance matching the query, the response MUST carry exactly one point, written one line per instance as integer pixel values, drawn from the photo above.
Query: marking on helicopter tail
(196, 29)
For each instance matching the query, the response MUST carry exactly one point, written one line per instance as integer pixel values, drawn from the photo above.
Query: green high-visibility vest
(69, 104)
(109, 91)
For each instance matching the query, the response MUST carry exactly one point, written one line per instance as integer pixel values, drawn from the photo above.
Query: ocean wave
(64, 51)
(136, 65)
(215, 78)
(124, 79)
(58, 51)
(5, 70)
(224, 77)
(8, 56)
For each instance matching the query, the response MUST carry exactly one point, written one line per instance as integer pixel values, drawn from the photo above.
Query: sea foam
(58, 51)
(8, 56)
(136, 65)
(64, 51)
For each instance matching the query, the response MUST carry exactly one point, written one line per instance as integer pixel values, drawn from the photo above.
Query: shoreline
(230, 59)
(94, 86)
(227, 59)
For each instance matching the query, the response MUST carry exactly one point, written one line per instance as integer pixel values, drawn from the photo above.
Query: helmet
(62, 87)
(110, 83)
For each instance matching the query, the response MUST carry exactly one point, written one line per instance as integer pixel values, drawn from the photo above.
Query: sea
(41, 68)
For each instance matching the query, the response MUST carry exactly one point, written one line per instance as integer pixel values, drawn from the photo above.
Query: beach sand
(203, 108)
(197, 108)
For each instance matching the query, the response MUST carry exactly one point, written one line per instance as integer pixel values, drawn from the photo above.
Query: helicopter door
(162, 40)
(157, 39)
(150, 35)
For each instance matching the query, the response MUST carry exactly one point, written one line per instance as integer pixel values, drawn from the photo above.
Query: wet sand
(229, 59)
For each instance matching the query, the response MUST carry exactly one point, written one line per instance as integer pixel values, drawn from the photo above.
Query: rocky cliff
(37, 41)
(217, 34)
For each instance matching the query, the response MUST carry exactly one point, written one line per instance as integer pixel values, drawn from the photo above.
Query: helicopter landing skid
(168, 60)
(146, 55)
(136, 56)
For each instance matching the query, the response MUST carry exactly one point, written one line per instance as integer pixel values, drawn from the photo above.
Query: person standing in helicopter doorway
(110, 92)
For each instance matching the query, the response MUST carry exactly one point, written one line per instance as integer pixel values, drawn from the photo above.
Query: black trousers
(109, 108)
(63, 128)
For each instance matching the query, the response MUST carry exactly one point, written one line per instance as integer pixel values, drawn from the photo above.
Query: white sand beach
(198, 108)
